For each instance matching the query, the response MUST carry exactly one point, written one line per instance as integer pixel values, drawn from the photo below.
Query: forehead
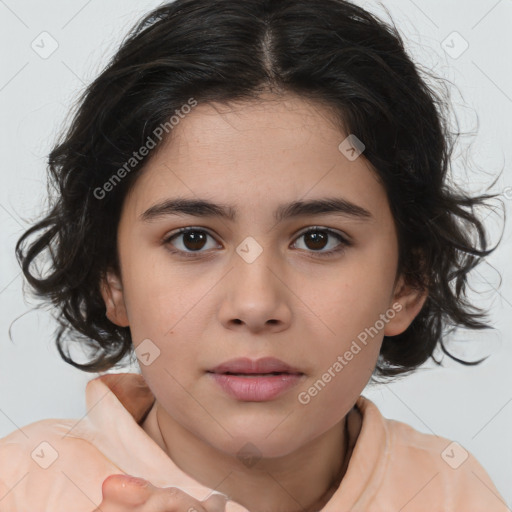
(257, 154)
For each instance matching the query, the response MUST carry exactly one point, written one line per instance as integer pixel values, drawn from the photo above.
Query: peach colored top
(58, 465)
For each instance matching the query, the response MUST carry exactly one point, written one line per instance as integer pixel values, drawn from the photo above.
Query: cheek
(343, 370)
(328, 396)
(162, 298)
(350, 333)
(349, 301)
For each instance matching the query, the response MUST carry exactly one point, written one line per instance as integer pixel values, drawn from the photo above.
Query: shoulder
(434, 471)
(46, 464)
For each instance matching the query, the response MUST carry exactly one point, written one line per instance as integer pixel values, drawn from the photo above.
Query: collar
(118, 403)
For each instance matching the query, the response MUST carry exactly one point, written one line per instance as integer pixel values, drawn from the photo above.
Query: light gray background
(470, 405)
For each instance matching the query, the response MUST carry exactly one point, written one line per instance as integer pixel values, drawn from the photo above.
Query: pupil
(316, 237)
(194, 240)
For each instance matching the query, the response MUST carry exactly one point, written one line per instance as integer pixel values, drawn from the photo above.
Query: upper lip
(246, 365)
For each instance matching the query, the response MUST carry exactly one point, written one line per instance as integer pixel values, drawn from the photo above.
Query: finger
(233, 506)
(126, 490)
(173, 499)
(215, 503)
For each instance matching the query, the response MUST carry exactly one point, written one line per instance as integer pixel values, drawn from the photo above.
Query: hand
(122, 493)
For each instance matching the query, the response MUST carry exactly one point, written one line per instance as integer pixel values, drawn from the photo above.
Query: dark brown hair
(330, 51)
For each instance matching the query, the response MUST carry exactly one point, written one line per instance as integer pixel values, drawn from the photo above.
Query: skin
(121, 493)
(290, 303)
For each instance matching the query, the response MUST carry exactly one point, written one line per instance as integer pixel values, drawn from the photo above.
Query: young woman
(253, 197)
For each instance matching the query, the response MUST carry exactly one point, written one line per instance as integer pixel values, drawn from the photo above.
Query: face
(314, 289)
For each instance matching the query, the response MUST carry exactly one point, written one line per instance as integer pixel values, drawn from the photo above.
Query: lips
(258, 380)
(247, 367)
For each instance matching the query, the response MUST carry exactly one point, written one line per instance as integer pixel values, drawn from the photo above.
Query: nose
(256, 296)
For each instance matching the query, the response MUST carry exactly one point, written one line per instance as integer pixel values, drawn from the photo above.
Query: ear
(112, 293)
(407, 302)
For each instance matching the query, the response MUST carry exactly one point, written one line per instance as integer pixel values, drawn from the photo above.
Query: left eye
(316, 239)
(194, 239)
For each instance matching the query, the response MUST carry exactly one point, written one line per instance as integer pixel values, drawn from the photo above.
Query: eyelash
(194, 254)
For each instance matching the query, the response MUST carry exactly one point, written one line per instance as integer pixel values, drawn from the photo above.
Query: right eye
(191, 240)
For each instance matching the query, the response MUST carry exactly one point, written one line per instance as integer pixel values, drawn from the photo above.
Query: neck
(302, 481)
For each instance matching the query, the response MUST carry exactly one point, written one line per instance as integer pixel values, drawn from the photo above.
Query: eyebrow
(206, 208)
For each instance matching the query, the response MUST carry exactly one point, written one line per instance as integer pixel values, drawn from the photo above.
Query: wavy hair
(329, 51)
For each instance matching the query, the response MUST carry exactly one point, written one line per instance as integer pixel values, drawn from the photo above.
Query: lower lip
(258, 388)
